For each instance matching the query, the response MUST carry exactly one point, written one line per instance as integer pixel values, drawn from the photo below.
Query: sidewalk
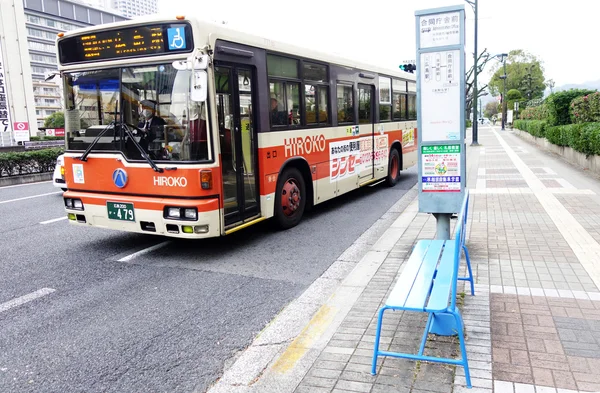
(533, 325)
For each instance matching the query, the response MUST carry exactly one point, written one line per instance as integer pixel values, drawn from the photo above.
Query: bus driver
(150, 124)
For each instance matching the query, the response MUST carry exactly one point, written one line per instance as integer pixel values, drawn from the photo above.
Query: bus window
(345, 104)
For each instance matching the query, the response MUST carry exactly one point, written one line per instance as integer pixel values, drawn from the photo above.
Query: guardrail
(43, 144)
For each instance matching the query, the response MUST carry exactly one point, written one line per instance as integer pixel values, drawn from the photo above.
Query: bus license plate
(120, 211)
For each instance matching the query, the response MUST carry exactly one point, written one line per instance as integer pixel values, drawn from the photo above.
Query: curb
(283, 352)
(25, 179)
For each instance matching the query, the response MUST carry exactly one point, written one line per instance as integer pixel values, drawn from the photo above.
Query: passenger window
(345, 104)
(412, 107)
(282, 66)
(364, 105)
(385, 102)
(323, 104)
(285, 103)
(293, 103)
(277, 106)
(316, 99)
(399, 100)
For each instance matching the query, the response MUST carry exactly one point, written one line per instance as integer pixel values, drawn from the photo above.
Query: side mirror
(199, 87)
(49, 75)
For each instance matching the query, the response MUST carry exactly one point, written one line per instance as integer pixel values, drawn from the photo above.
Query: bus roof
(212, 31)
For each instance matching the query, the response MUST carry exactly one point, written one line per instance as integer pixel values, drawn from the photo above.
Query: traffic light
(409, 67)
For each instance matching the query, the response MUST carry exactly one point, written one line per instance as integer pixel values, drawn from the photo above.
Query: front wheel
(393, 168)
(290, 198)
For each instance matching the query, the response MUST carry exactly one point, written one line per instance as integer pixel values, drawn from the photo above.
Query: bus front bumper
(146, 215)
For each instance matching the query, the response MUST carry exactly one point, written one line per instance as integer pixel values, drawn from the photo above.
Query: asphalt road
(165, 321)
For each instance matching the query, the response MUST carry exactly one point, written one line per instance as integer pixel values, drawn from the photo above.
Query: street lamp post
(504, 94)
(474, 142)
(503, 57)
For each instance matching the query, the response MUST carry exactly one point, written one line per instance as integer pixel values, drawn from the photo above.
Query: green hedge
(534, 127)
(45, 138)
(559, 104)
(582, 137)
(22, 163)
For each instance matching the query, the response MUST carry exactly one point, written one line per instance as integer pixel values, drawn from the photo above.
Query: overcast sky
(382, 32)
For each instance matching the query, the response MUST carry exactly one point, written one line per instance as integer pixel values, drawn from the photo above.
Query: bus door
(366, 119)
(234, 86)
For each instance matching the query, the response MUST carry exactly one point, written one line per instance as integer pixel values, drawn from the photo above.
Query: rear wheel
(393, 168)
(64, 189)
(290, 198)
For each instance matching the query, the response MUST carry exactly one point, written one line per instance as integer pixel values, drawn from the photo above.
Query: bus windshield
(152, 101)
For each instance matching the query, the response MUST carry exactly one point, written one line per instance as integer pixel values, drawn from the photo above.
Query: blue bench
(428, 284)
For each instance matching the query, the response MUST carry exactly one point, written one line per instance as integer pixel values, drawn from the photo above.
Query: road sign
(440, 36)
(21, 131)
(21, 126)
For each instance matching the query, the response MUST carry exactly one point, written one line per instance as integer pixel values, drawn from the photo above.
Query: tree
(524, 73)
(55, 120)
(491, 109)
(482, 61)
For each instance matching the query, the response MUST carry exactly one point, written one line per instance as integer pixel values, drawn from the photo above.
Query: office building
(44, 19)
(133, 8)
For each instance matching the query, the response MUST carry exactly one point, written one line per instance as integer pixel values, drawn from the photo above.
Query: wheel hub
(290, 197)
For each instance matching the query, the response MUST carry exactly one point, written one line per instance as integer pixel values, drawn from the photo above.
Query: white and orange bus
(184, 128)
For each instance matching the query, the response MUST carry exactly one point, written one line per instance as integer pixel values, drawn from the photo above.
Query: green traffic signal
(408, 67)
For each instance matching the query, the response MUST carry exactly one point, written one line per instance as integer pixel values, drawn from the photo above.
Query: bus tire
(290, 198)
(394, 167)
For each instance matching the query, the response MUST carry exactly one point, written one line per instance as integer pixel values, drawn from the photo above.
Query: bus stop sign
(440, 35)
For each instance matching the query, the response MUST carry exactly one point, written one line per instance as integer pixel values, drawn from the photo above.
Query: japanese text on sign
(439, 30)
(5, 124)
(440, 168)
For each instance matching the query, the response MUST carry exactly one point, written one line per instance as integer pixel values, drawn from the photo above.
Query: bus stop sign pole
(440, 35)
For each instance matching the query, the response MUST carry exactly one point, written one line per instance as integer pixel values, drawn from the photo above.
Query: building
(44, 19)
(133, 8)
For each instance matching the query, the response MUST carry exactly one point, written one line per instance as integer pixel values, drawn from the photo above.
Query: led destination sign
(127, 42)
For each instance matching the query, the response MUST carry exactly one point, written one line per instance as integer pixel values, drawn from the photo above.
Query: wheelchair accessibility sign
(176, 37)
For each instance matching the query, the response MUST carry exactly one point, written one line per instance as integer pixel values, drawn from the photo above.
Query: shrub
(536, 128)
(559, 104)
(539, 112)
(22, 163)
(585, 109)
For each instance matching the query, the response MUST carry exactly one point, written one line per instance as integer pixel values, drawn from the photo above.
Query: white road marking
(549, 171)
(53, 220)
(26, 184)
(144, 251)
(29, 197)
(25, 299)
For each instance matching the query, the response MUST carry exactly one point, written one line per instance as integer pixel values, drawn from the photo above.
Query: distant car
(58, 179)
(484, 120)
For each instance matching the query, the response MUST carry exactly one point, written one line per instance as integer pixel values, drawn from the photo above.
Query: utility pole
(475, 142)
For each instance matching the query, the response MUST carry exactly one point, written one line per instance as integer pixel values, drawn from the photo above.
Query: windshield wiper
(87, 151)
(141, 149)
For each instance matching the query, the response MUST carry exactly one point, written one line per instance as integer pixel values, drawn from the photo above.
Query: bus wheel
(290, 199)
(393, 168)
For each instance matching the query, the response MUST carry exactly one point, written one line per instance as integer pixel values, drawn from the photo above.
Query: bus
(181, 127)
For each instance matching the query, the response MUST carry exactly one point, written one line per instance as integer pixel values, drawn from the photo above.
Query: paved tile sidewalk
(534, 324)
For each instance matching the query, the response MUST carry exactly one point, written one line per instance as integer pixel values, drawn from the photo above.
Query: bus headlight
(181, 213)
(191, 214)
(75, 204)
(174, 212)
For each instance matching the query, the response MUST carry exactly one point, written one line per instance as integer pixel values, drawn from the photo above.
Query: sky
(383, 32)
